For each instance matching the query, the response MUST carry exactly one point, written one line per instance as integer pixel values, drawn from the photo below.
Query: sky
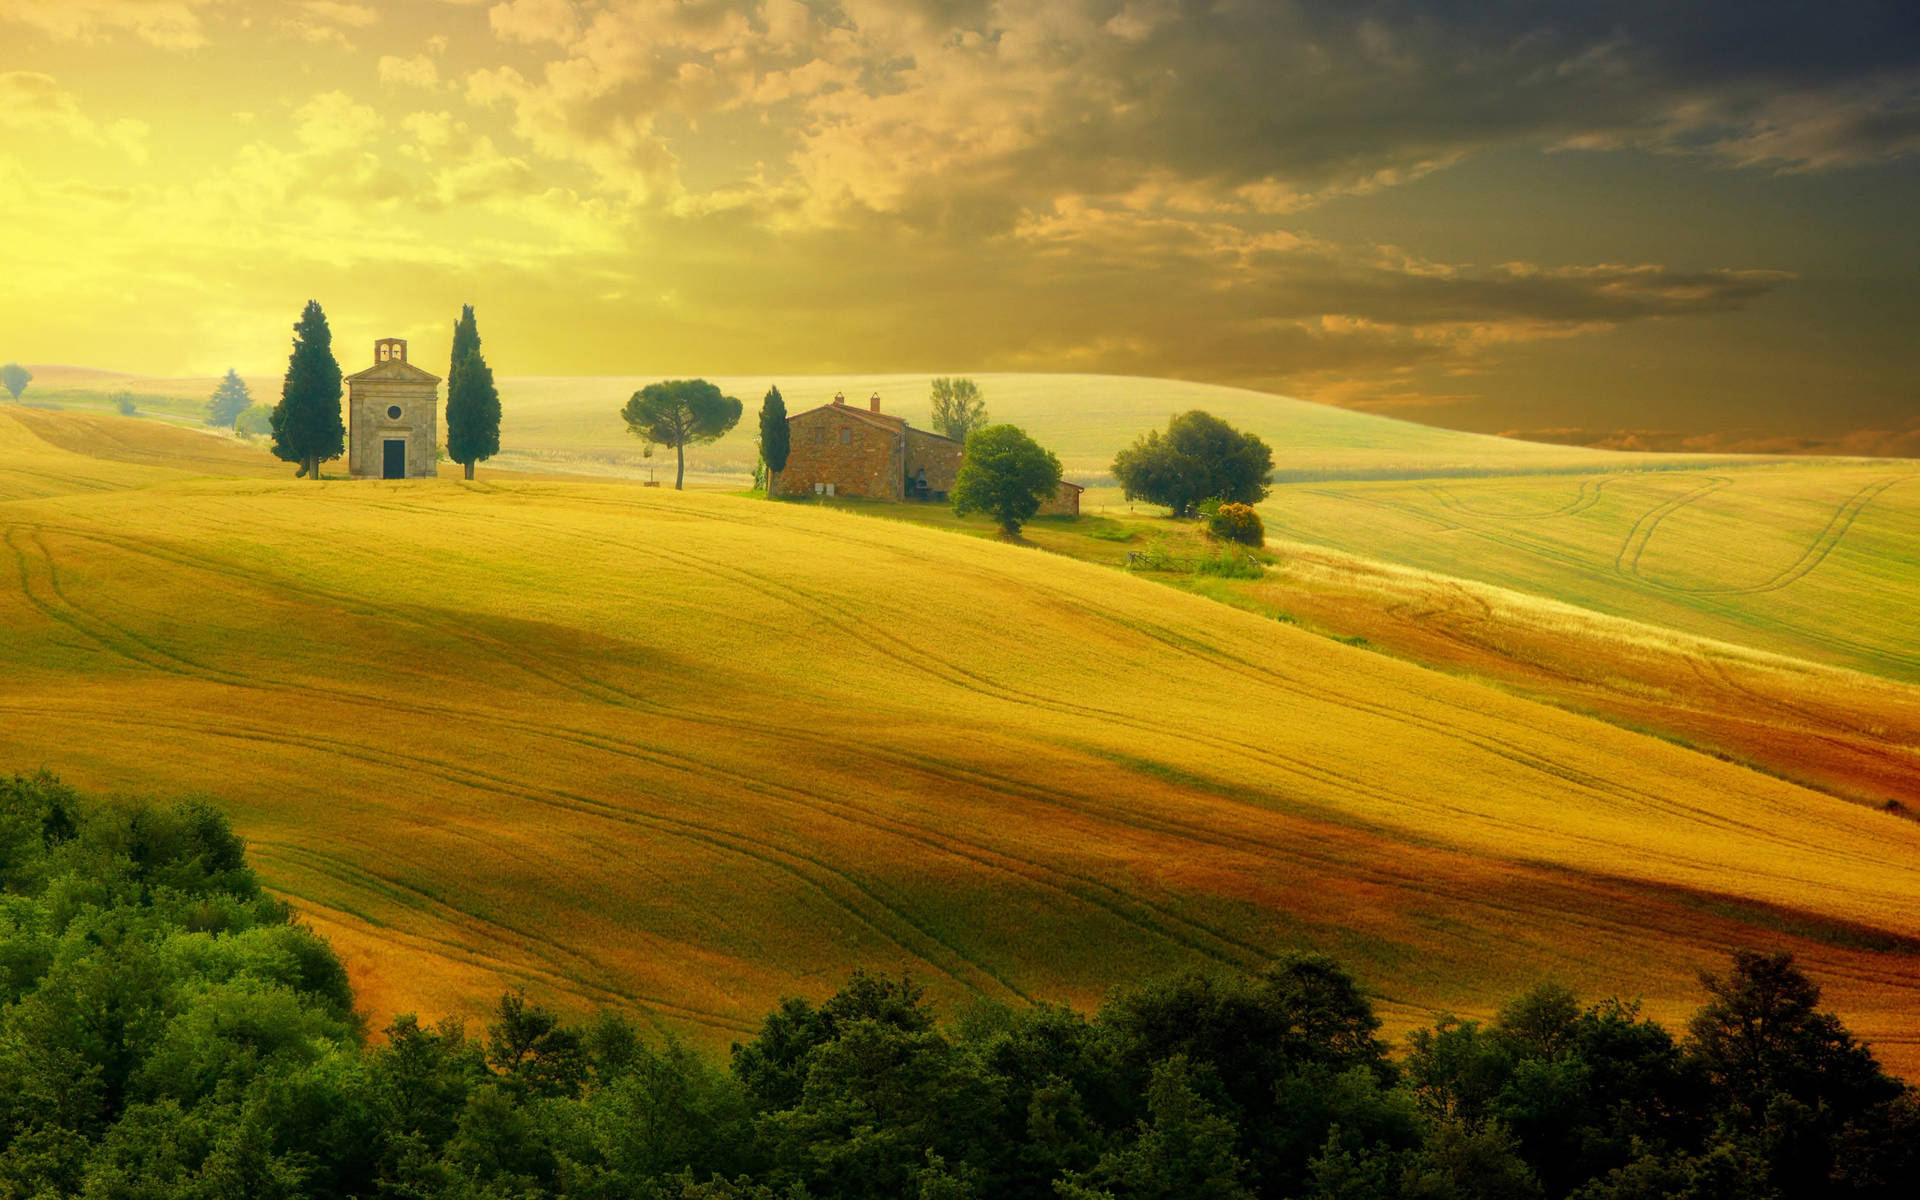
(1632, 222)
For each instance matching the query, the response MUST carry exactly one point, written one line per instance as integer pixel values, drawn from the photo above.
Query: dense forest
(169, 1030)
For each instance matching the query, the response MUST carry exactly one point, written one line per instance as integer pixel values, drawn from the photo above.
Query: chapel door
(395, 466)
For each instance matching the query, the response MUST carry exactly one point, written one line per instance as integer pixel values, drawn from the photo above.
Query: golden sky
(1497, 214)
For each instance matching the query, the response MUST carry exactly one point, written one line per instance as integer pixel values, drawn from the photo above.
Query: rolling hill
(1814, 559)
(688, 752)
(572, 423)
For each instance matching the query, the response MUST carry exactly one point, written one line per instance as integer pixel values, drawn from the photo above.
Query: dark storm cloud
(1324, 93)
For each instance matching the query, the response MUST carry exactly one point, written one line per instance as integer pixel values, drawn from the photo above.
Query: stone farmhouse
(393, 417)
(842, 450)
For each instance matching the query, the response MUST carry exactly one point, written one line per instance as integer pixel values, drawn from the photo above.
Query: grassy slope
(691, 752)
(1812, 559)
(1849, 733)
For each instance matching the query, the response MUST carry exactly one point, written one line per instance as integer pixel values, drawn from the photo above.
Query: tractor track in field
(1165, 827)
(1586, 498)
(1815, 553)
(346, 871)
(917, 658)
(668, 760)
(986, 856)
(1627, 561)
(1180, 642)
(906, 655)
(605, 693)
(477, 780)
(713, 837)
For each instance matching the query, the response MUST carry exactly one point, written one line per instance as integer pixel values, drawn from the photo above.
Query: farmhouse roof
(395, 369)
(885, 421)
(1070, 483)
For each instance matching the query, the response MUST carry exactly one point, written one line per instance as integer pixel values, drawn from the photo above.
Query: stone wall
(369, 426)
(831, 445)
(1065, 502)
(938, 456)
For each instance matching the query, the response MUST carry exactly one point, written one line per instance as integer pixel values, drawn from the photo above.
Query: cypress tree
(473, 413)
(307, 428)
(473, 404)
(466, 339)
(774, 440)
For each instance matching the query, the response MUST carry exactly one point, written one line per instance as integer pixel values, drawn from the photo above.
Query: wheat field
(1815, 559)
(685, 753)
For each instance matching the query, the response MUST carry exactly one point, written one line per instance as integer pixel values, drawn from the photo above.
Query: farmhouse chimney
(840, 398)
(875, 402)
(390, 350)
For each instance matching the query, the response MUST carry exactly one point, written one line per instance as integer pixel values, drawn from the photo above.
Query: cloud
(170, 24)
(324, 21)
(418, 71)
(32, 101)
(535, 21)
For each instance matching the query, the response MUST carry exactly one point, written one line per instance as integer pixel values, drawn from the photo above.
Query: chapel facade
(393, 417)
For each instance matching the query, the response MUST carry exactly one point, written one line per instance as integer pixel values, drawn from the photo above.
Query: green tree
(473, 414)
(1790, 1077)
(1184, 1150)
(1200, 457)
(677, 412)
(15, 379)
(775, 437)
(307, 428)
(466, 339)
(1006, 475)
(228, 401)
(534, 1051)
(958, 408)
(473, 401)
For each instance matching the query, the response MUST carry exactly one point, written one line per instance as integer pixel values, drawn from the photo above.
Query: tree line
(169, 1030)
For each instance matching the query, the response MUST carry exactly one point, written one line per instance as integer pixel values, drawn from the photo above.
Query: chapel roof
(394, 369)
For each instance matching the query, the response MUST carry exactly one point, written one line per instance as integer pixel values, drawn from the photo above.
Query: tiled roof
(886, 421)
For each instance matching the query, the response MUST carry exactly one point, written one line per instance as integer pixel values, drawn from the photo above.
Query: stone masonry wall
(857, 457)
(369, 426)
(938, 455)
(1065, 502)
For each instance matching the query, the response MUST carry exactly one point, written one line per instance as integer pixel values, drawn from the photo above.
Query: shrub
(1228, 563)
(254, 422)
(123, 403)
(1237, 523)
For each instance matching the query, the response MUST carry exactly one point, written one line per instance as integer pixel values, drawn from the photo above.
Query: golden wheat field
(1818, 560)
(686, 753)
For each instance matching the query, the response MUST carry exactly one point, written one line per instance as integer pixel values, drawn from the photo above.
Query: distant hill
(1084, 419)
(684, 753)
(573, 421)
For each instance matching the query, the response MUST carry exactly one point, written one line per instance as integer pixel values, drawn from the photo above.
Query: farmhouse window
(846, 436)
